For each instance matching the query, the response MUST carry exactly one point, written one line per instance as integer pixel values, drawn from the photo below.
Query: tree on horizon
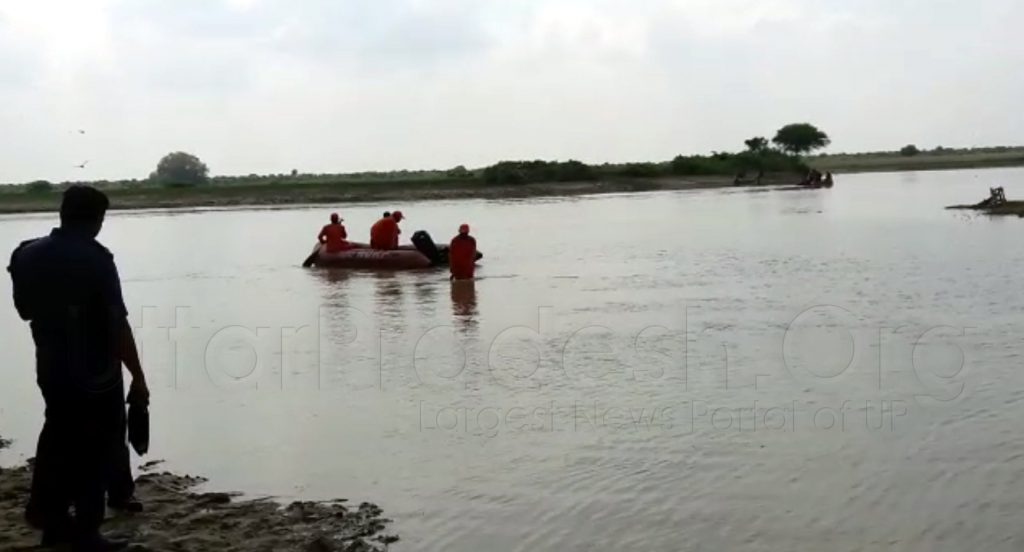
(800, 138)
(757, 144)
(181, 169)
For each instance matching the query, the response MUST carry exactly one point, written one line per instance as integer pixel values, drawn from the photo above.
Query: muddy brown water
(705, 370)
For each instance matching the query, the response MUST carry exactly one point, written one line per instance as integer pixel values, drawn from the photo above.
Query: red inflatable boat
(424, 254)
(361, 256)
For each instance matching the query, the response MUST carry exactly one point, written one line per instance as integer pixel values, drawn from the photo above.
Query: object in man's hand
(138, 427)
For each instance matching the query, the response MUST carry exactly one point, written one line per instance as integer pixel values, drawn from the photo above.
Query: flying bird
(80, 131)
(82, 166)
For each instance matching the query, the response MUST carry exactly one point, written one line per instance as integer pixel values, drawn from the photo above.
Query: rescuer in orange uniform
(462, 254)
(384, 233)
(333, 236)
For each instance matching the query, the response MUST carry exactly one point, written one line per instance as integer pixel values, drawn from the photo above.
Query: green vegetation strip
(182, 179)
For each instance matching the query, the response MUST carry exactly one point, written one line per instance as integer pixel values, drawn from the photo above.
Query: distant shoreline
(924, 161)
(217, 196)
(284, 193)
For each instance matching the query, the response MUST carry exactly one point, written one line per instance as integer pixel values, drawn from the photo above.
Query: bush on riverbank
(728, 164)
(39, 187)
(459, 172)
(527, 172)
(637, 170)
(716, 164)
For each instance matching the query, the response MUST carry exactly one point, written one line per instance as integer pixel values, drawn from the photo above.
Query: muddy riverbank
(179, 517)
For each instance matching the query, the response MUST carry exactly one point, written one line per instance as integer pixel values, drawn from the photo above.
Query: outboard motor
(425, 244)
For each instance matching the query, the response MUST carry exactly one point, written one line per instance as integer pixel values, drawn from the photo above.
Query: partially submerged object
(742, 179)
(996, 197)
(424, 253)
(995, 204)
(815, 179)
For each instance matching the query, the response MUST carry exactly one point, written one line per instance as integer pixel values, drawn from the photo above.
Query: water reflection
(333, 276)
(425, 291)
(464, 309)
(387, 289)
(334, 284)
(389, 302)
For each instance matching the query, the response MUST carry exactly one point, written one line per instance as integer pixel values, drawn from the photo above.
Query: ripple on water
(692, 296)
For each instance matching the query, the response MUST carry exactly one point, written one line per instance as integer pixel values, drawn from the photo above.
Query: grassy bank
(505, 180)
(190, 187)
(938, 159)
(151, 197)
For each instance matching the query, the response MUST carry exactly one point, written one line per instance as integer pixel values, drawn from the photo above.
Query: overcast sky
(257, 86)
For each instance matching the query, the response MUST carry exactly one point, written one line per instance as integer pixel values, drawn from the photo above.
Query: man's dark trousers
(76, 451)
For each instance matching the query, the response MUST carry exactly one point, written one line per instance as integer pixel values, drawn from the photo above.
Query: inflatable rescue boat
(422, 254)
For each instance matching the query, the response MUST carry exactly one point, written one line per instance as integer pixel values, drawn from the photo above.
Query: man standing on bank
(67, 287)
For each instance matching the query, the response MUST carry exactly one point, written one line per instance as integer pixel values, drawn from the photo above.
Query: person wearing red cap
(462, 254)
(333, 236)
(384, 233)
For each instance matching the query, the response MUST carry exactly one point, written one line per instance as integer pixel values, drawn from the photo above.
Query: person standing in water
(67, 287)
(462, 254)
(384, 233)
(333, 235)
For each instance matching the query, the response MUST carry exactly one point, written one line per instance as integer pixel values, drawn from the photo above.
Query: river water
(699, 370)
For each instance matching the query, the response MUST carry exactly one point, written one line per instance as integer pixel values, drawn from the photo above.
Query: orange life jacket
(333, 237)
(462, 256)
(384, 234)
